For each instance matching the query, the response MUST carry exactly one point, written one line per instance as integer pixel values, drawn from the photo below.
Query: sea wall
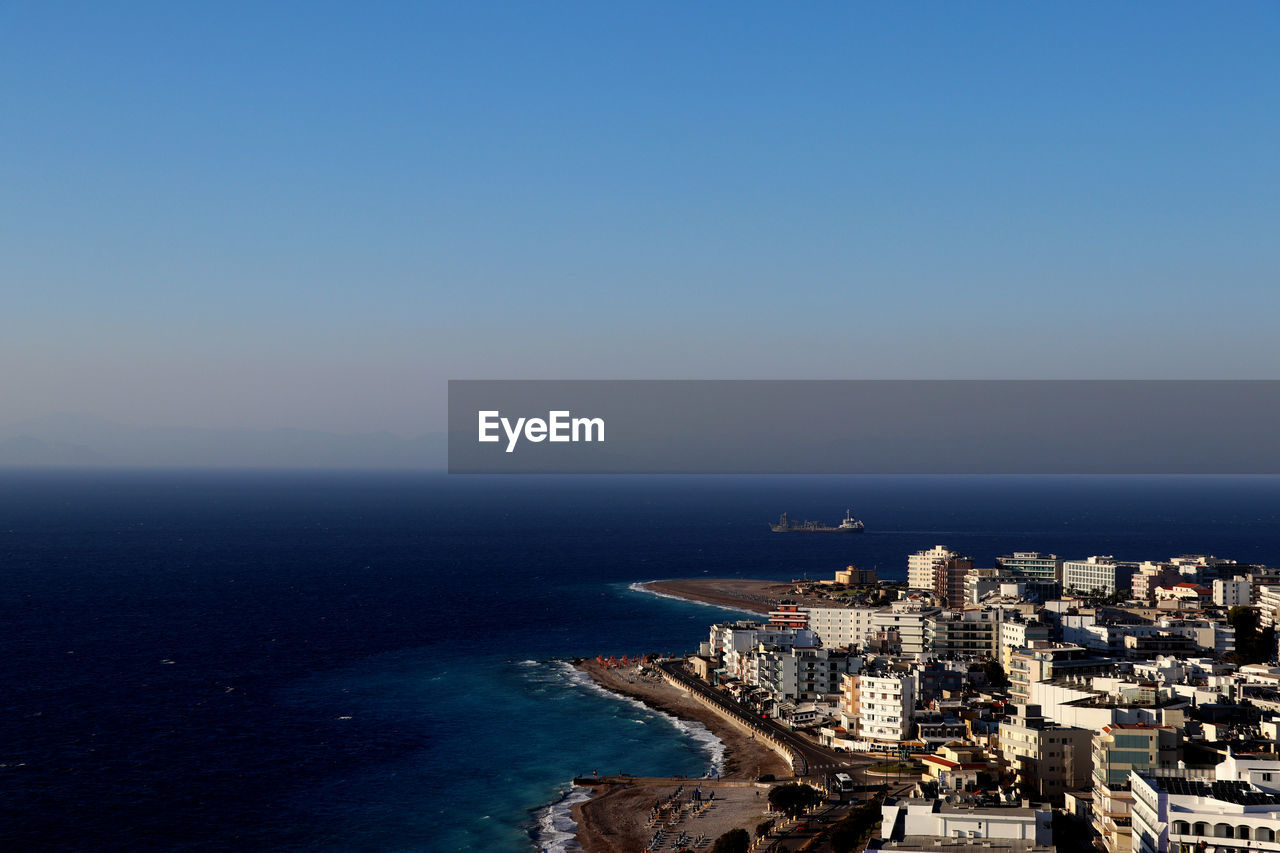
(773, 743)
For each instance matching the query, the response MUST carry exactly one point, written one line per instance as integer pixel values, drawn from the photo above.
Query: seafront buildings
(1139, 698)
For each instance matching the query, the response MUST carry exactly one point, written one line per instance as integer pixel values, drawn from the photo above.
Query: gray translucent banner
(864, 427)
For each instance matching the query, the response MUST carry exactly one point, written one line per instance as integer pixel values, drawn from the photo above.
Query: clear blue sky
(313, 215)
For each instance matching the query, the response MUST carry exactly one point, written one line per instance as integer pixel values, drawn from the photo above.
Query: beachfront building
(1105, 575)
(801, 674)
(842, 627)
(1118, 749)
(922, 564)
(734, 645)
(878, 706)
(745, 635)
(1175, 814)
(788, 615)
(1049, 759)
(1031, 565)
(969, 633)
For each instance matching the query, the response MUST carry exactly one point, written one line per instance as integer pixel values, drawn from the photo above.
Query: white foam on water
(639, 586)
(693, 730)
(554, 830)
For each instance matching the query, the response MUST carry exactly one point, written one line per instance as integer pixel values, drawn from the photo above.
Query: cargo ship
(849, 525)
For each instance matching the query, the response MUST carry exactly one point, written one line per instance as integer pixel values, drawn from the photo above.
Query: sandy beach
(755, 595)
(615, 819)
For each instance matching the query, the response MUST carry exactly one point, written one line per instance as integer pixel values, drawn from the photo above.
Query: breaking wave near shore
(552, 827)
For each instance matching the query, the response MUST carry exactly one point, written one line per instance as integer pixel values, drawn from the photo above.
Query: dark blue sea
(306, 661)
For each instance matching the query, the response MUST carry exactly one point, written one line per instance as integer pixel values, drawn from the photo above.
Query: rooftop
(1239, 793)
(960, 845)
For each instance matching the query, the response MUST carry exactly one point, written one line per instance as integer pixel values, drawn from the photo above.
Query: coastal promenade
(808, 759)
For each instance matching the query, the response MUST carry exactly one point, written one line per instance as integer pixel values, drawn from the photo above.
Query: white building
(1105, 574)
(911, 819)
(1232, 593)
(908, 622)
(1268, 604)
(878, 706)
(840, 627)
(1189, 815)
(922, 566)
(801, 674)
(745, 635)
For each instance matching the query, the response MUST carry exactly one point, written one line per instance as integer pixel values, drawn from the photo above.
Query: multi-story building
(1175, 814)
(802, 674)
(948, 580)
(1268, 604)
(1048, 759)
(744, 635)
(1105, 575)
(1150, 575)
(841, 627)
(1043, 661)
(1032, 564)
(878, 706)
(980, 583)
(1118, 749)
(904, 620)
(921, 565)
(1232, 593)
(969, 633)
(788, 615)
(1015, 634)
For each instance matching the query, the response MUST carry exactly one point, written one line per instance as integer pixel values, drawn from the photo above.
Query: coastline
(754, 597)
(614, 819)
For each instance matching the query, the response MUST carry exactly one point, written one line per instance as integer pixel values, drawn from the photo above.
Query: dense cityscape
(1043, 703)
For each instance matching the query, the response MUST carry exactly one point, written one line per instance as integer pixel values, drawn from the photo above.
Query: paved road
(815, 760)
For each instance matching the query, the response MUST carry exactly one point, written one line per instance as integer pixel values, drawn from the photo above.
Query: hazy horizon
(311, 218)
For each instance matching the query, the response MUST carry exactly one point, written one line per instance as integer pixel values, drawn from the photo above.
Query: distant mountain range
(83, 440)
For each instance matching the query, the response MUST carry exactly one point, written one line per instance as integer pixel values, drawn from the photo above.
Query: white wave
(639, 586)
(702, 736)
(554, 829)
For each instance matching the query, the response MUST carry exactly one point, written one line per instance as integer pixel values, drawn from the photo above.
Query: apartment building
(878, 706)
(1048, 759)
(1118, 749)
(1106, 575)
(921, 565)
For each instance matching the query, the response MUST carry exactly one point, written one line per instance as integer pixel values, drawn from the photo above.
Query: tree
(733, 841)
(763, 827)
(856, 827)
(995, 674)
(793, 799)
(1252, 645)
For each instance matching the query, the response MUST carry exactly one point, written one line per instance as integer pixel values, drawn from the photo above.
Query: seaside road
(815, 760)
